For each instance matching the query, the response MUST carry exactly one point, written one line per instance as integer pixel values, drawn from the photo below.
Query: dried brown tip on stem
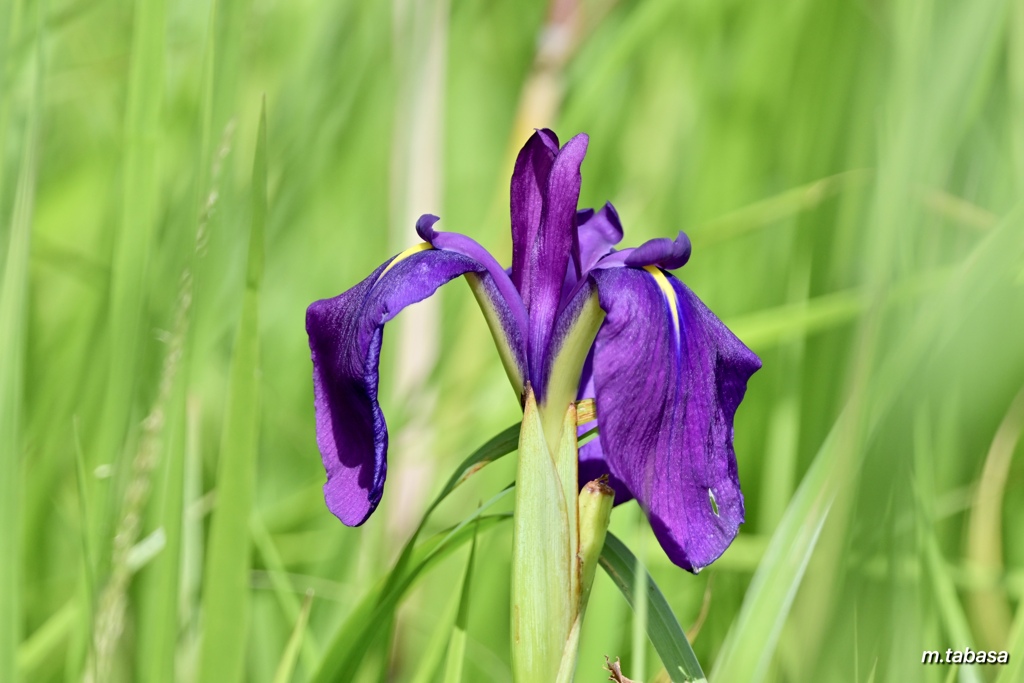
(586, 411)
(599, 486)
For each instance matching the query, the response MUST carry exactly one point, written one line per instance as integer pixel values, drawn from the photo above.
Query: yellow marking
(422, 246)
(668, 292)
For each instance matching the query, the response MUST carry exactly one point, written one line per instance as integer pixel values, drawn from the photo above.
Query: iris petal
(345, 336)
(597, 234)
(496, 277)
(529, 183)
(593, 464)
(549, 255)
(666, 421)
(663, 252)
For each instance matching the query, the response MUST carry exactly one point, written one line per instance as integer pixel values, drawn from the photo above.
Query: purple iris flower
(666, 373)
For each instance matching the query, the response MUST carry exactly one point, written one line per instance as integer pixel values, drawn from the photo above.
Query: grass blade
(663, 629)
(291, 652)
(494, 449)
(133, 243)
(371, 615)
(953, 616)
(1014, 669)
(13, 324)
(432, 655)
(989, 608)
(226, 589)
(158, 639)
(457, 643)
(748, 649)
(282, 585)
(45, 642)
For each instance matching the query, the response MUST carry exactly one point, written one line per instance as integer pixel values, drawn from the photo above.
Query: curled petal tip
(662, 252)
(549, 138)
(603, 225)
(425, 227)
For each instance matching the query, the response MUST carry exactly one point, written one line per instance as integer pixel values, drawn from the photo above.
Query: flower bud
(595, 507)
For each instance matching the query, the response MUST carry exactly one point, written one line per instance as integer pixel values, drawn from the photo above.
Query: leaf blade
(226, 590)
(663, 628)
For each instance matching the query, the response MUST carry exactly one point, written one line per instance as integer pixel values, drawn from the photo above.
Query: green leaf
(1013, 671)
(663, 629)
(747, 651)
(543, 567)
(457, 643)
(226, 589)
(777, 208)
(138, 217)
(159, 619)
(372, 614)
(990, 608)
(948, 602)
(496, 448)
(291, 652)
(429, 660)
(45, 641)
(342, 654)
(282, 585)
(13, 325)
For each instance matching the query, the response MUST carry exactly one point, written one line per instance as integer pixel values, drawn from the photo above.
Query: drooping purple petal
(669, 376)
(549, 254)
(495, 278)
(661, 252)
(345, 336)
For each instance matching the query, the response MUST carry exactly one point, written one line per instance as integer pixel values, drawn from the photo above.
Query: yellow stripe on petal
(669, 292)
(422, 246)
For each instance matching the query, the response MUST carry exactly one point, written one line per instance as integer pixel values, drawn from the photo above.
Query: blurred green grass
(849, 173)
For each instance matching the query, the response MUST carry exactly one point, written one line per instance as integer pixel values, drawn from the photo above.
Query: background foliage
(849, 172)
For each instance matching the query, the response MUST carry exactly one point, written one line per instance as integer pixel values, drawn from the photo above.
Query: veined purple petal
(345, 336)
(616, 259)
(597, 234)
(496, 277)
(549, 255)
(592, 461)
(669, 376)
(529, 183)
(662, 252)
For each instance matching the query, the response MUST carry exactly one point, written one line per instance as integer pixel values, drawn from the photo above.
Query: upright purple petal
(599, 231)
(669, 376)
(597, 234)
(345, 336)
(529, 183)
(549, 255)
